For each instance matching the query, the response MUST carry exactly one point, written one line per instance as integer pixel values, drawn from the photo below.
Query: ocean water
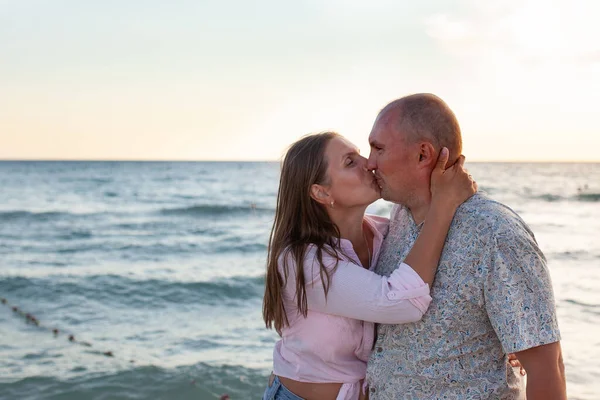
(156, 270)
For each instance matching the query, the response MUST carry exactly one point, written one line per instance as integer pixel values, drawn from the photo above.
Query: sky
(241, 80)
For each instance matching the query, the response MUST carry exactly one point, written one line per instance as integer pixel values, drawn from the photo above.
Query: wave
(22, 215)
(234, 245)
(216, 210)
(585, 197)
(588, 197)
(85, 180)
(199, 382)
(76, 234)
(239, 248)
(15, 215)
(121, 291)
(582, 304)
(549, 197)
(85, 242)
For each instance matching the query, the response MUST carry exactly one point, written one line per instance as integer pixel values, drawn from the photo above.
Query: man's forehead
(382, 129)
(385, 116)
(388, 125)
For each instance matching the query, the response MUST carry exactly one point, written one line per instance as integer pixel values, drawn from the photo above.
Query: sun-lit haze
(240, 80)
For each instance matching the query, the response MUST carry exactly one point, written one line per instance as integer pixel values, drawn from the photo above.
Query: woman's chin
(367, 201)
(377, 191)
(376, 195)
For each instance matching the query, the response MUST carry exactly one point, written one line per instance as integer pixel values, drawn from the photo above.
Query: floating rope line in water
(31, 319)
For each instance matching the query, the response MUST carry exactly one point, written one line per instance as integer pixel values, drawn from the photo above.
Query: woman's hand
(452, 186)
(514, 362)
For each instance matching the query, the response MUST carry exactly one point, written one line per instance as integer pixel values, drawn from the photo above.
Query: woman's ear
(319, 194)
(427, 155)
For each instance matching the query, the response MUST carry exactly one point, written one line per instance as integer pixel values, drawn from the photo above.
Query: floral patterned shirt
(492, 295)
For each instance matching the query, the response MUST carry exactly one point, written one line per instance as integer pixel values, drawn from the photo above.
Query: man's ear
(319, 194)
(427, 155)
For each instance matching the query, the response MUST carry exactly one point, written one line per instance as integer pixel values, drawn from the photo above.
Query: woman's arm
(355, 292)
(450, 188)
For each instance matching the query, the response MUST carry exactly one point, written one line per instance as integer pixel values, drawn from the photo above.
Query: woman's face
(350, 183)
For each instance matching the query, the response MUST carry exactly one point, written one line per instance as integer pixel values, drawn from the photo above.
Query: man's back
(492, 295)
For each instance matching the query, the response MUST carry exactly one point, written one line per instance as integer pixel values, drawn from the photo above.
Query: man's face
(393, 160)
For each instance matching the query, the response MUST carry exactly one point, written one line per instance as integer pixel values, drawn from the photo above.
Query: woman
(321, 295)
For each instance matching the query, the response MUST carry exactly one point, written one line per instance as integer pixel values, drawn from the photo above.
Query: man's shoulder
(487, 214)
(480, 205)
(480, 215)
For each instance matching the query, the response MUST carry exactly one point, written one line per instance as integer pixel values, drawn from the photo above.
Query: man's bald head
(424, 116)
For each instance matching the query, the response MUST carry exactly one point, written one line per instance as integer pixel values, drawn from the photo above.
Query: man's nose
(371, 163)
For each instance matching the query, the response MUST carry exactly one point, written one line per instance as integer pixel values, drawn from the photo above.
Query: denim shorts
(276, 391)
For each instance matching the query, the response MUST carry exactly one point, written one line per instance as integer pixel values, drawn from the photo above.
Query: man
(492, 293)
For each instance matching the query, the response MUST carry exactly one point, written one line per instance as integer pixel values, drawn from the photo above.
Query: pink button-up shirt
(332, 344)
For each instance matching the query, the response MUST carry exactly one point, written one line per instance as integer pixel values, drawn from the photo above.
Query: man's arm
(545, 372)
(520, 305)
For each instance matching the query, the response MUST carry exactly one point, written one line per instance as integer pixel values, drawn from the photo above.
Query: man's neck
(419, 212)
(418, 201)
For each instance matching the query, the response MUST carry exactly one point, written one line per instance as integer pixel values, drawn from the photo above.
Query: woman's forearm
(425, 253)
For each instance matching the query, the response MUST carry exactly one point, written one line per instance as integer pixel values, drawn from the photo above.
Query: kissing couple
(449, 298)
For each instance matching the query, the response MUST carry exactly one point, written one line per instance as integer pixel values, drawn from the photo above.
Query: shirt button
(392, 295)
(379, 349)
(372, 390)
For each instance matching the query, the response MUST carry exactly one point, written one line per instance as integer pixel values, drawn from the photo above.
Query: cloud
(525, 30)
(526, 75)
(533, 52)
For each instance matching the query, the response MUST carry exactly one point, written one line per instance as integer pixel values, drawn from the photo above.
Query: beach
(155, 271)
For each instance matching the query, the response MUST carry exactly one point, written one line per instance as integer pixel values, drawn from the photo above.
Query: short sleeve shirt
(492, 295)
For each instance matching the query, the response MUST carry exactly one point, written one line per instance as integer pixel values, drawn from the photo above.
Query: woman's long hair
(299, 221)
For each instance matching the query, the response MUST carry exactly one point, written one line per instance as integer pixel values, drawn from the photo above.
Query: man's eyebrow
(375, 143)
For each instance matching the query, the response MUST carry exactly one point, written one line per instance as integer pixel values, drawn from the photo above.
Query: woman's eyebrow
(351, 153)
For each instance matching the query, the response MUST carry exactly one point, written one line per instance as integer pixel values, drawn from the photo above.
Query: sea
(144, 280)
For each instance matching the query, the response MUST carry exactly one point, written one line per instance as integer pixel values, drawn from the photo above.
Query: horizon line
(274, 161)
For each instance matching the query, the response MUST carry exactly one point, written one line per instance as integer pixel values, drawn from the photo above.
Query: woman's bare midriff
(314, 391)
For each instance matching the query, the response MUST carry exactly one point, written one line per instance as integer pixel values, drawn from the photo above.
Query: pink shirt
(332, 344)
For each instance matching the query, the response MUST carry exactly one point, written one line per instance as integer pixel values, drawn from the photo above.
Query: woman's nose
(363, 163)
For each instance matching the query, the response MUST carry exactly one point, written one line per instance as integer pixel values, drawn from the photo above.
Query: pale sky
(241, 80)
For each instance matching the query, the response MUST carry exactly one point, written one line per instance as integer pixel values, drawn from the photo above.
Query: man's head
(406, 139)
